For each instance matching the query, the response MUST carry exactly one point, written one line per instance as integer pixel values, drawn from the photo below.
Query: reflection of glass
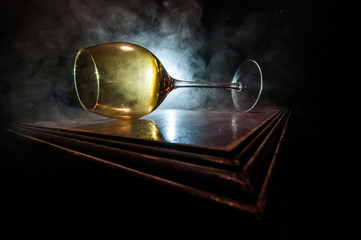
(124, 80)
(139, 128)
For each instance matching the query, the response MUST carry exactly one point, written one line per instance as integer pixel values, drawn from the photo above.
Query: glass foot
(249, 76)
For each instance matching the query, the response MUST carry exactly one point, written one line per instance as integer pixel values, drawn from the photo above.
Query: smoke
(43, 38)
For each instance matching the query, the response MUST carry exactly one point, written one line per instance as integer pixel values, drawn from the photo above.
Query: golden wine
(120, 80)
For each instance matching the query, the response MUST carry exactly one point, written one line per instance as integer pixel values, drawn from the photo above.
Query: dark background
(309, 55)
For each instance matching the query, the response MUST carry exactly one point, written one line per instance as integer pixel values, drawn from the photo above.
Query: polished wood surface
(223, 130)
(224, 157)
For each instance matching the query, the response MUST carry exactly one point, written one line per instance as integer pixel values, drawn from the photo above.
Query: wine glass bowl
(124, 80)
(119, 80)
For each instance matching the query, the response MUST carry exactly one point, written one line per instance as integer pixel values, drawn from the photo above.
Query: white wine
(120, 80)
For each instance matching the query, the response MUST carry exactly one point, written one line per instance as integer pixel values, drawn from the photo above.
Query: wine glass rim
(76, 82)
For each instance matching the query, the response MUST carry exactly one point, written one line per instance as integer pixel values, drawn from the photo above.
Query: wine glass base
(249, 76)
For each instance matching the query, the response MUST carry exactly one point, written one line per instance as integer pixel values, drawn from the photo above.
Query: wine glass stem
(230, 86)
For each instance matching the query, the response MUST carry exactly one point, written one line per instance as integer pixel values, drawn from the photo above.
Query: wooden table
(224, 157)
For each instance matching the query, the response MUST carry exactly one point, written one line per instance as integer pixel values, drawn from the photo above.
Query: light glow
(126, 48)
(97, 74)
(150, 77)
(124, 109)
(170, 133)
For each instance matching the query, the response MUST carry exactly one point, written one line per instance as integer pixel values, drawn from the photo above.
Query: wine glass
(124, 80)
